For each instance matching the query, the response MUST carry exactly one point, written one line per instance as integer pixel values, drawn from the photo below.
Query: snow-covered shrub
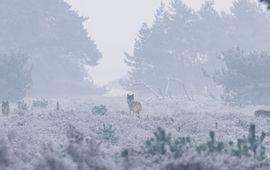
(100, 110)
(74, 135)
(251, 146)
(107, 133)
(162, 143)
(51, 162)
(132, 159)
(192, 164)
(40, 103)
(12, 158)
(22, 106)
(83, 151)
(211, 146)
(159, 144)
(5, 159)
(180, 145)
(86, 155)
(212, 162)
(126, 160)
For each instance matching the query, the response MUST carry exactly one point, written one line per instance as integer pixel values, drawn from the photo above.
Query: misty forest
(196, 95)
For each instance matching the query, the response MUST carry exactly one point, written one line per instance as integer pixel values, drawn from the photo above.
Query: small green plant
(22, 106)
(251, 145)
(107, 132)
(159, 144)
(241, 149)
(41, 103)
(179, 146)
(100, 110)
(162, 143)
(211, 146)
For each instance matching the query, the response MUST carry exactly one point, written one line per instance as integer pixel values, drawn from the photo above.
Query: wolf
(5, 107)
(263, 113)
(134, 106)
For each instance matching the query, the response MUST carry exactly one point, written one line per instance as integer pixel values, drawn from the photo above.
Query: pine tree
(267, 2)
(178, 53)
(55, 39)
(164, 56)
(250, 26)
(15, 73)
(147, 62)
(245, 77)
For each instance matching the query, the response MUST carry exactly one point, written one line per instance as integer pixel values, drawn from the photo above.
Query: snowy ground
(39, 135)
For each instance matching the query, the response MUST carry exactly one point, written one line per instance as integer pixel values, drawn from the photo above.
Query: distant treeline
(183, 53)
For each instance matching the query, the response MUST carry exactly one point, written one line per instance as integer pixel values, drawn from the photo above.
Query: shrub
(211, 146)
(99, 110)
(126, 160)
(50, 162)
(107, 133)
(251, 148)
(15, 73)
(4, 155)
(244, 77)
(84, 152)
(73, 135)
(162, 143)
(22, 106)
(41, 103)
(190, 165)
(159, 144)
(86, 155)
(179, 146)
(251, 145)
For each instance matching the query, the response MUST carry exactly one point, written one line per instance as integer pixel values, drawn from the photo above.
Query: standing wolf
(5, 108)
(134, 106)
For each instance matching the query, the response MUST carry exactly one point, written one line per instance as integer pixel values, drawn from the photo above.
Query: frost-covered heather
(75, 138)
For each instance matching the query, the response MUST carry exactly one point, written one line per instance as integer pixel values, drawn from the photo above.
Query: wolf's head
(130, 99)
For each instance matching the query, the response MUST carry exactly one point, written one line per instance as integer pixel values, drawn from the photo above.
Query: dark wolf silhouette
(5, 107)
(134, 106)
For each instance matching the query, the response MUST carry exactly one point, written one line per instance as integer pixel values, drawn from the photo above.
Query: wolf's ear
(127, 95)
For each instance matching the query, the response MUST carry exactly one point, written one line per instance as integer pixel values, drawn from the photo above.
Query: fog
(125, 21)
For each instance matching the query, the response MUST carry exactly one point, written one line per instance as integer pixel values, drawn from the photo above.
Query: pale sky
(114, 24)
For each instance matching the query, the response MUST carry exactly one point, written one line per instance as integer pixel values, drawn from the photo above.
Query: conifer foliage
(56, 41)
